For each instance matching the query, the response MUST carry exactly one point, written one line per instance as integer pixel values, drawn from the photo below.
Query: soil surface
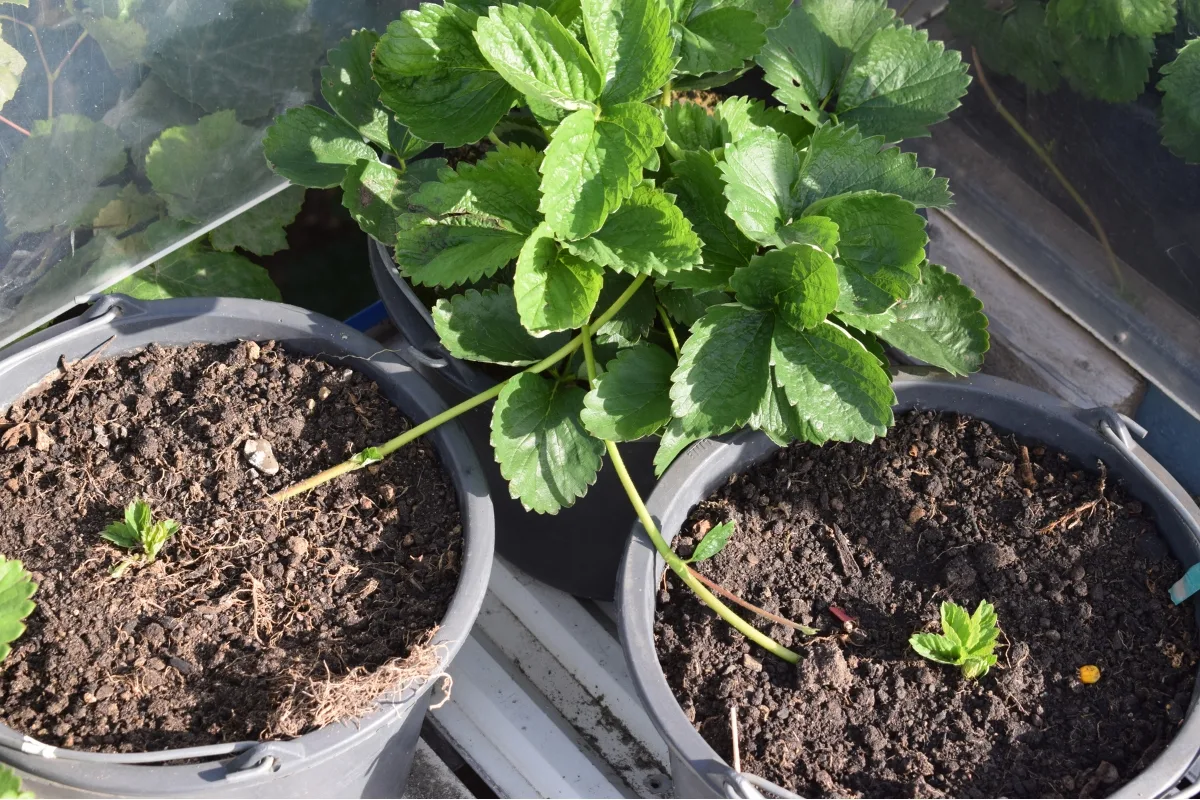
(252, 611)
(944, 508)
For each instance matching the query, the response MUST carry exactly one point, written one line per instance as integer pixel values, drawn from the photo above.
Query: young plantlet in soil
(967, 641)
(16, 589)
(138, 530)
(733, 267)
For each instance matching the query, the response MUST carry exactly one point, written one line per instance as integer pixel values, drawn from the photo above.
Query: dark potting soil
(251, 607)
(944, 508)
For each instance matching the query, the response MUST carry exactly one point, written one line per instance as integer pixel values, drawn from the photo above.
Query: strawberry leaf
(713, 542)
(347, 85)
(673, 442)
(536, 54)
(1181, 103)
(306, 145)
(629, 399)
(700, 194)
(723, 370)
(16, 587)
(542, 448)
(485, 326)
(1104, 19)
(260, 230)
(834, 382)
(431, 74)
(799, 283)
(760, 171)
(648, 234)
(631, 43)
(593, 163)
(555, 289)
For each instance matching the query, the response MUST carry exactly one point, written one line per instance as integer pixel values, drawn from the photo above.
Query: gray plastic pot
(576, 550)
(1085, 435)
(370, 759)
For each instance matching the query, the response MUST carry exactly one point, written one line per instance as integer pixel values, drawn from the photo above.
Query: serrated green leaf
(593, 164)
(631, 43)
(803, 63)
(16, 587)
(799, 283)
(941, 323)
(648, 234)
(197, 168)
(52, 177)
(485, 326)
(138, 516)
(534, 52)
(630, 399)
(974, 667)
(246, 58)
(780, 420)
(1115, 70)
(700, 194)
(691, 127)
(1104, 19)
(12, 64)
(555, 289)
(723, 370)
(1180, 86)
(131, 207)
(1018, 42)
(850, 25)
(839, 159)
(956, 625)
(686, 306)
(935, 648)
(156, 536)
(306, 145)
(674, 441)
(899, 83)
(199, 273)
(636, 317)
(819, 232)
(120, 534)
(500, 191)
(834, 382)
(738, 116)
(375, 195)
(453, 250)
(261, 229)
(760, 172)
(152, 108)
(713, 542)
(717, 39)
(984, 630)
(543, 449)
(10, 784)
(123, 41)
(881, 246)
(431, 74)
(347, 85)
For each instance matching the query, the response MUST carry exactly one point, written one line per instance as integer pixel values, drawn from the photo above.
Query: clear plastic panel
(1076, 158)
(132, 126)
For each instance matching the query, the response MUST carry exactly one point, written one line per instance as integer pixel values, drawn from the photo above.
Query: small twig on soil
(728, 595)
(733, 730)
(845, 554)
(1076, 513)
(87, 364)
(1027, 469)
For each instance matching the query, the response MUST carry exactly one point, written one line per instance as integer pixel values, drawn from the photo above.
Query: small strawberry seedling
(967, 641)
(138, 530)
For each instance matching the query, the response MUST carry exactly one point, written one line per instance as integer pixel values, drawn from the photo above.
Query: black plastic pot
(368, 759)
(576, 550)
(1084, 434)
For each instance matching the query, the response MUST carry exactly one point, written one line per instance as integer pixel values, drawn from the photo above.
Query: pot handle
(746, 786)
(1122, 433)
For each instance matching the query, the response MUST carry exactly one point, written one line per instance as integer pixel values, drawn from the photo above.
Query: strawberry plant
(717, 268)
(1105, 49)
(16, 589)
(967, 641)
(139, 531)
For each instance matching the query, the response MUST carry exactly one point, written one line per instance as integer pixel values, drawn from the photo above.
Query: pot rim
(205, 320)
(707, 464)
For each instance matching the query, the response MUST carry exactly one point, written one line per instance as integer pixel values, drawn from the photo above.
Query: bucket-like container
(576, 550)
(370, 758)
(1085, 435)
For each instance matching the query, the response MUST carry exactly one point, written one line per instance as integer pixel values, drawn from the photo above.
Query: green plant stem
(391, 446)
(666, 321)
(1041, 153)
(664, 99)
(677, 564)
(494, 139)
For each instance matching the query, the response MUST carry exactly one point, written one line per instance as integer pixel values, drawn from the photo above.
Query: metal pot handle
(1122, 433)
(746, 786)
